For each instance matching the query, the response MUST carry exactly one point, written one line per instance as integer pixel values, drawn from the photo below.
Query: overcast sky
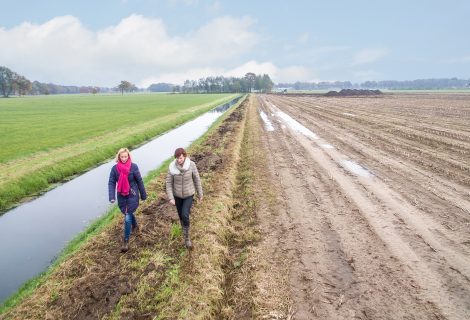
(102, 42)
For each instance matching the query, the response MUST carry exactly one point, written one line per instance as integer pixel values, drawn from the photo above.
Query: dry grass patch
(260, 284)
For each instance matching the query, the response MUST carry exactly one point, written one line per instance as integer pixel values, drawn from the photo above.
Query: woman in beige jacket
(182, 182)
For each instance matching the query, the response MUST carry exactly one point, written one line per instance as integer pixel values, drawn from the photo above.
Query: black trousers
(183, 206)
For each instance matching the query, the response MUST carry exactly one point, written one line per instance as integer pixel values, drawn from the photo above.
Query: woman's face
(180, 160)
(123, 157)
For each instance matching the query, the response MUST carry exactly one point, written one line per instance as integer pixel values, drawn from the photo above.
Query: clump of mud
(353, 92)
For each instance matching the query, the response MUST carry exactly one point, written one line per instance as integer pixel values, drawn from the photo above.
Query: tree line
(419, 84)
(249, 83)
(12, 82)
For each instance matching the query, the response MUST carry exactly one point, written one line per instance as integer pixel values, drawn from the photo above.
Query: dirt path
(375, 205)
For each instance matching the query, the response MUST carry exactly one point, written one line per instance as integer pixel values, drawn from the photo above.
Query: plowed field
(375, 196)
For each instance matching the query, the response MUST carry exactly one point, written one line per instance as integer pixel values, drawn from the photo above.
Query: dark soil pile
(353, 92)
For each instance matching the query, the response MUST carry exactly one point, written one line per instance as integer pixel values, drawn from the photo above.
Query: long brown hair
(179, 152)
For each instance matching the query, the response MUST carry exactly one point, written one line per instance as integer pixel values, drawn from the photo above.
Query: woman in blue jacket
(126, 176)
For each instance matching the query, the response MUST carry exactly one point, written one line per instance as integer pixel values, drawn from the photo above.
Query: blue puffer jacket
(130, 202)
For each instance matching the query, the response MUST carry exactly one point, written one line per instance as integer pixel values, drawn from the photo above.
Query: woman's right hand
(112, 201)
(173, 202)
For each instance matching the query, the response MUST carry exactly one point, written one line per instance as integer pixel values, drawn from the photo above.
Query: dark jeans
(184, 209)
(129, 221)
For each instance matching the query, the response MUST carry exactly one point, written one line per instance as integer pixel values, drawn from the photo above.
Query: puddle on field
(34, 233)
(268, 125)
(295, 125)
(355, 168)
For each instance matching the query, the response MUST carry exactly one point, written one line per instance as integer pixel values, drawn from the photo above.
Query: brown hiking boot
(125, 246)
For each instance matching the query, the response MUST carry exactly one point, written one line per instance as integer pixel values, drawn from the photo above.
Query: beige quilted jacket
(184, 181)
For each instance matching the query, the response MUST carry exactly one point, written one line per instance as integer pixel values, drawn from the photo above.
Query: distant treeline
(161, 87)
(250, 82)
(51, 88)
(420, 84)
(12, 83)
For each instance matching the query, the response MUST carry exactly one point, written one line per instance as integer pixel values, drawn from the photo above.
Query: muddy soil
(374, 204)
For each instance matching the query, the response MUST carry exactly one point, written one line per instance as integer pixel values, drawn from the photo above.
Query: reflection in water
(295, 125)
(32, 234)
(267, 123)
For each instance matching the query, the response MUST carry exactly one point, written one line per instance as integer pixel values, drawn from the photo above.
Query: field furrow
(392, 225)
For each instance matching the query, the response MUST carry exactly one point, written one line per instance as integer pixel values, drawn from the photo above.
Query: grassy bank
(243, 235)
(192, 287)
(230, 274)
(57, 141)
(73, 246)
(199, 291)
(154, 266)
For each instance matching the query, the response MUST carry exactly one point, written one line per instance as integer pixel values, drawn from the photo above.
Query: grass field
(47, 139)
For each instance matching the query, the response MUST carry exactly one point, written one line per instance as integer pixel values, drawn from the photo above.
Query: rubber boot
(125, 245)
(187, 240)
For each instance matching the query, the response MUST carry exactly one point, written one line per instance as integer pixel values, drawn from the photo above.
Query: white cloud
(180, 77)
(222, 39)
(369, 55)
(253, 66)
(64, 51)
(277, 74)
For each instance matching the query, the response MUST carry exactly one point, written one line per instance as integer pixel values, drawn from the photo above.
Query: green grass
(98, 226)
(175, 231)
(32, 124)
(46, 140)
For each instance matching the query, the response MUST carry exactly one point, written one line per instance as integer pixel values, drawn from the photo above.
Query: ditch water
(34, 233)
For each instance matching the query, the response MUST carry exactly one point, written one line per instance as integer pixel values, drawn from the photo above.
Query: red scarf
(123, 186)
